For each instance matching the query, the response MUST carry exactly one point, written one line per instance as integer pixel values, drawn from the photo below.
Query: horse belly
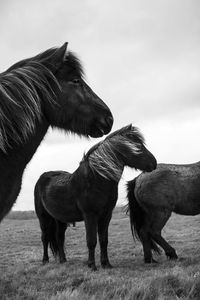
(189, 200)
(99, 199)
(63, 209)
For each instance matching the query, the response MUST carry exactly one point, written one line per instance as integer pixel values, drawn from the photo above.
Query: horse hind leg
(146, 244)
(169, 250)
(45, 242)
(160, 219)
(47, 236)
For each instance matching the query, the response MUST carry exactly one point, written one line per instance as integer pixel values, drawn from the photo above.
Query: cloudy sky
(141, 57)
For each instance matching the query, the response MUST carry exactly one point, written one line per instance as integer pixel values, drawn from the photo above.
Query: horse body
(12, 167)
(169, 188)
(57, 192)
(89, 194)
(45, 90)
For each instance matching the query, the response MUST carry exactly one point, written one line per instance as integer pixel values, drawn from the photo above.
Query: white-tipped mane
(106, 158)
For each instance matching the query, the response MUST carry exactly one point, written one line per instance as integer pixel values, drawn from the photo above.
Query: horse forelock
(128, 131)
(107, 157)
(20, 106)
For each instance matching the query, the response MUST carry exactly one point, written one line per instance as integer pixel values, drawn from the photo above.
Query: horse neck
(12, 165)
(18, 155)
(110, 166)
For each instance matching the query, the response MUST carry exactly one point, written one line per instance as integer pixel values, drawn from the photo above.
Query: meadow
(22, 275)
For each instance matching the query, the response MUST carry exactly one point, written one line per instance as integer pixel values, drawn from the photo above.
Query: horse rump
(137, 215)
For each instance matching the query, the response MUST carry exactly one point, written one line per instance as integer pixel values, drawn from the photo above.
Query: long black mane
(104, 157)
(71, 59)
(22, 88)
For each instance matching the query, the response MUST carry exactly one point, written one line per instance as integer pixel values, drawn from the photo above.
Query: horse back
(172, 187)
(158, 189)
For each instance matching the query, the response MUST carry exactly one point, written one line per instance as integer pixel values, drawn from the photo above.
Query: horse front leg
(91, 238)
(60, 238)
(103, 240)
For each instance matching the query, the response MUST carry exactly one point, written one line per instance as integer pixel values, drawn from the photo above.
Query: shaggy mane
(20, 102)
(21, 88)
(103, 158)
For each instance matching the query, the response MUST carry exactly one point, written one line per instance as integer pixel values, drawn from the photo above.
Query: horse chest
(9, 193)
(98, 199)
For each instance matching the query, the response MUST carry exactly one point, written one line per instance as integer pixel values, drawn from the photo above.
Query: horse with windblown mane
(45, 90)
(154, 196)
(89, 194)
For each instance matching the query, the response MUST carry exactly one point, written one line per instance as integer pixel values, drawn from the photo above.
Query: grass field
(22, 276)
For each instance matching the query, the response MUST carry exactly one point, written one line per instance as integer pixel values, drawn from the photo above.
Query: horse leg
(103, 240)
(60, 238)
(169, 250)
(46, 225)
(45, 242)
(91, 238)
(160, 219)
(146, 243)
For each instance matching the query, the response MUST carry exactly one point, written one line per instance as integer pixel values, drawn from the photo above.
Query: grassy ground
(22, 276)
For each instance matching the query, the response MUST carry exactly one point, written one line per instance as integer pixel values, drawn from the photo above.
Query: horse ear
(55, 61)
(129, 126)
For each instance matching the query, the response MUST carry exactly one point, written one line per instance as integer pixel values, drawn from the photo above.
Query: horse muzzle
(101, 127)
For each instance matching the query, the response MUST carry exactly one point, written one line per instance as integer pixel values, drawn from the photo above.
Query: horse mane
(21, 87)
(104, 157)
(71, 59)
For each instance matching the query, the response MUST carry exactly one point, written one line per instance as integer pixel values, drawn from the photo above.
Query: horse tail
(137, 215)
(47, 222)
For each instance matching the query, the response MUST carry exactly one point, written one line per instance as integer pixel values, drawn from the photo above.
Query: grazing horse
(45, 90)
(154, 196)
(90, 193)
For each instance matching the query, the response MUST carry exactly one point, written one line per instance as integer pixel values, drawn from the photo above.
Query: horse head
(77, 107)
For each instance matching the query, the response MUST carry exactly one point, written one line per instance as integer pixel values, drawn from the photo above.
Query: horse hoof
(150, 261)
(92, 266)
(106, 265)
(172, 256)
(63, 260)
(45, 261)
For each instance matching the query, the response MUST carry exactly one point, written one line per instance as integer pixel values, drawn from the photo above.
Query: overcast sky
(141, 57)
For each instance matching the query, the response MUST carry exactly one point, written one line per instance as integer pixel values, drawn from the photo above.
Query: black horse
(48, 89)
(153, 197)
(90, 193)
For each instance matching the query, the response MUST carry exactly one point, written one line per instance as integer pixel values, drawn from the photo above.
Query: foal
(90, 193)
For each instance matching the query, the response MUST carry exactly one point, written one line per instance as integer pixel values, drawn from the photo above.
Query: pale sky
(141, 57)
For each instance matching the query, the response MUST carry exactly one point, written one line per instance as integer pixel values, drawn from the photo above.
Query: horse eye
(76, 81)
